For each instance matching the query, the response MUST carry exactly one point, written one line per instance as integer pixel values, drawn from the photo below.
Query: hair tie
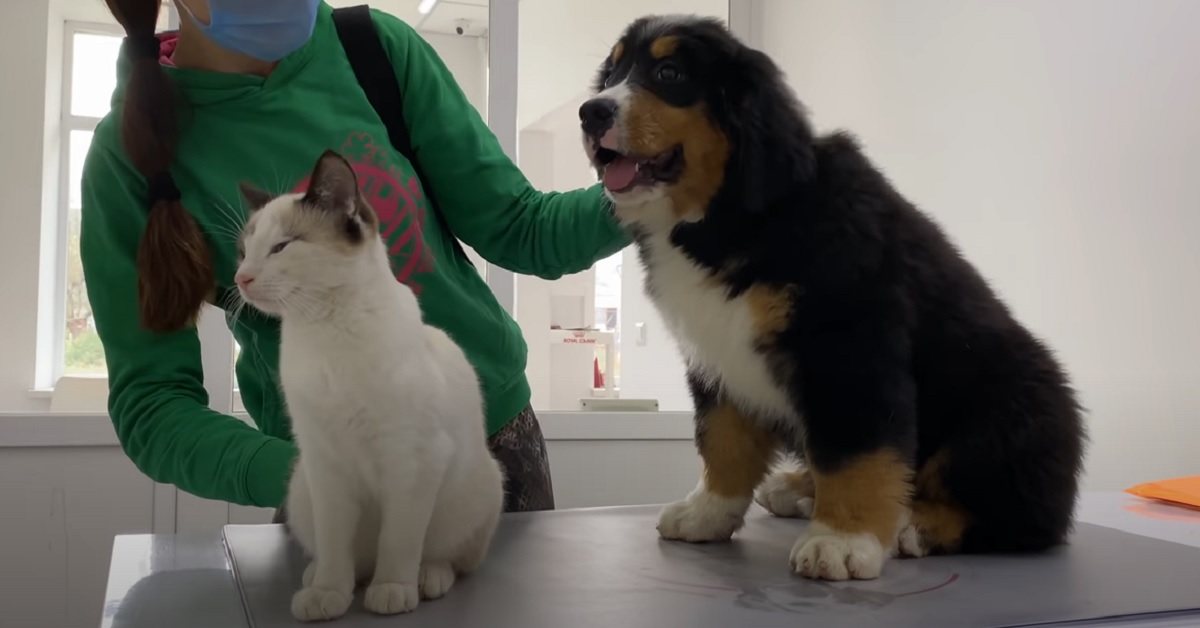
(142, 46)
(162, 188)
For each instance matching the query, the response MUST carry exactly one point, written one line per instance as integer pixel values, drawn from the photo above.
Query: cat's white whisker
(279, 186)
(236, 221)
(225, 232)
(238, 305)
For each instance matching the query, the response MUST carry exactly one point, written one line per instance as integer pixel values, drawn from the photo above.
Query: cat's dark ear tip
(331, 155)
(255, 197)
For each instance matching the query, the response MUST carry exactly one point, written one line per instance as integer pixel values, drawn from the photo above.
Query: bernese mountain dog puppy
(822, 315)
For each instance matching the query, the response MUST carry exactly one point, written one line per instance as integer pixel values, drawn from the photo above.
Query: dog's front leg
(859, 408)
(737, 453)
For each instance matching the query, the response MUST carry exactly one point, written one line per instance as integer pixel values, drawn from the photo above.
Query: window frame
(69, 122)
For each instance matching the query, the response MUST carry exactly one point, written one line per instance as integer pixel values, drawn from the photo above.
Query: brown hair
(175, 270)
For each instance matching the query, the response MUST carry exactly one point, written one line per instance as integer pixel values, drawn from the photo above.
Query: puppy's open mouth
(623, 172)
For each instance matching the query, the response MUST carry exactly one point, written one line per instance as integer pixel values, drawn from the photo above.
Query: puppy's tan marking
(771, 308)
(664, 46)
(617, 51)
(940, 523)
(801, 482)
(737, 453)
(867, 495)
(654, 127)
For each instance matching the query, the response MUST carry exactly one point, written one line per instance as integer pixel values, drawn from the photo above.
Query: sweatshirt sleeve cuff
(268, 473)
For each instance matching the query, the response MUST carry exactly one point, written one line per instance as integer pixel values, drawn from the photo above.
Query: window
(89, 81)
(68, 344)
(573, 323)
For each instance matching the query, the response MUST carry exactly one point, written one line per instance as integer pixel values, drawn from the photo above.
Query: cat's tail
(491, 506)
(477, 546)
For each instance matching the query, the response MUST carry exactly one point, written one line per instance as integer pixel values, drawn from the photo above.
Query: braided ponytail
(175, 269)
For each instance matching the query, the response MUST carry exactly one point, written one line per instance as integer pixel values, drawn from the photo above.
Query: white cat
(394, 481)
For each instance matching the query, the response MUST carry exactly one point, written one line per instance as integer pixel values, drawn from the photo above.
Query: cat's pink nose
(243, 280)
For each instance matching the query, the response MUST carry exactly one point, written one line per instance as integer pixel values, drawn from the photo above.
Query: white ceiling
(445, 17)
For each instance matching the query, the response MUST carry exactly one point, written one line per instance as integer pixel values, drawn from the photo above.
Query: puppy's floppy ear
(772, 139)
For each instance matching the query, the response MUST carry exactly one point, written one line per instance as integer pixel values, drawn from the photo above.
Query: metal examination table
(1132, 562)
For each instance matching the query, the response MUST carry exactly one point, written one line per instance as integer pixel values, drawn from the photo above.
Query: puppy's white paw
(436, 580)
(909, 543)
(778, 495)
(391, 598)
(825, 554)
(312, 604)
(702, 517)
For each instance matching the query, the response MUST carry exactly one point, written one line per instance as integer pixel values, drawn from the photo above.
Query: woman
(254, 91)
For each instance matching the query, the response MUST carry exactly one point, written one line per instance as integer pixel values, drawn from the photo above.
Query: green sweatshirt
(269, 132)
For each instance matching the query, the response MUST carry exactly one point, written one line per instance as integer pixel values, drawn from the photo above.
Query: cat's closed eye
(279, 247)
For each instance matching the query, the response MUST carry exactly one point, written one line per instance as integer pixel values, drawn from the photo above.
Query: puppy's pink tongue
(610, 139)
(619, 174)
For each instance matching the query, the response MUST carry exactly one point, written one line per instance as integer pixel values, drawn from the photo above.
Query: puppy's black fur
(891, 342)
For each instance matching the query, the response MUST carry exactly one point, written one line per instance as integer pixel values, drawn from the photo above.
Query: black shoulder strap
(377, 78)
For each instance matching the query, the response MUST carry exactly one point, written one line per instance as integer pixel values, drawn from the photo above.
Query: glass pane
(82, 351)
(93, 73)
(562, 45)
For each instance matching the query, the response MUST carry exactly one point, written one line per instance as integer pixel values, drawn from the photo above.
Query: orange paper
(1184, 491)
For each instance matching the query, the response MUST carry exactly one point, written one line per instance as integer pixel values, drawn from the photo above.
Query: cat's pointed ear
(254, 197)
(333, 185)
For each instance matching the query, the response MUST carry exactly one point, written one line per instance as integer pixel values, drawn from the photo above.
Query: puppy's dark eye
(669, 73)
(279, 247)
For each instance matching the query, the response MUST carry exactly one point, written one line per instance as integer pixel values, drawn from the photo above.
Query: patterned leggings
(520, 448)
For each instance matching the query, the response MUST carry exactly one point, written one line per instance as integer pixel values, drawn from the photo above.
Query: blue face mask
(268, 30)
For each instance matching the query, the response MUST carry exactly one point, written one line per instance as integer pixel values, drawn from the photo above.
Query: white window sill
(91, 426)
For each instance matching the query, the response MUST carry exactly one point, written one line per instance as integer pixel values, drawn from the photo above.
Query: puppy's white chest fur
(715, 333)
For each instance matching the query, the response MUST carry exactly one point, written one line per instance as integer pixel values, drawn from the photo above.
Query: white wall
(61, 508)
(24, 49)
(467, 59)
(562, 43)
(1059, 144)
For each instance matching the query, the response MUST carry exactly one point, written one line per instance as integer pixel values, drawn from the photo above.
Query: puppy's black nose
(597, 115)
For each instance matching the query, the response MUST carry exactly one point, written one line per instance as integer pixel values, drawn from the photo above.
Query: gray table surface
(186, 581)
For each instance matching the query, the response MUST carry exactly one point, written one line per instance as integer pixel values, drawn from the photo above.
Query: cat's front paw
(702, 518)
(391, 598)
(436, 580)
(313, 604)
